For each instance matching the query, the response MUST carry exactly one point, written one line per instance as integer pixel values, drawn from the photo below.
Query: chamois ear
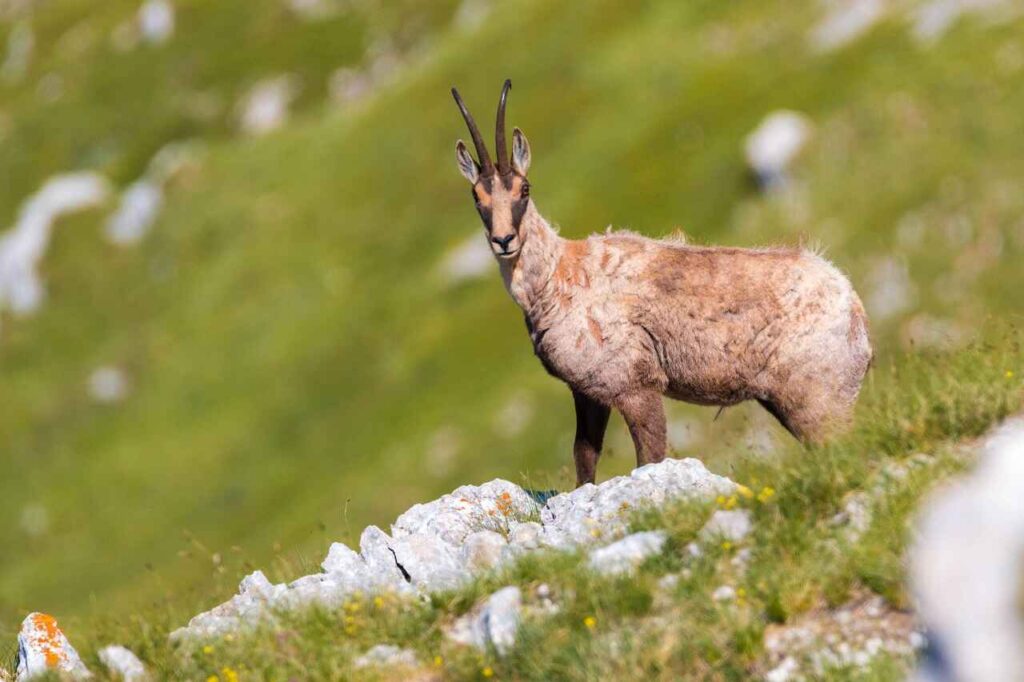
(467, 166)
(520, 152)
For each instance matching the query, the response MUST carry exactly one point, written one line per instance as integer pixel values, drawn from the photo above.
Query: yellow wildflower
(378, 602)
(487, 672)
(208, 649)
(438, 661)
(212, 678)
(731, 502)
(741, 593)
(720, 500)
(229, 674)
(1009, 374)
(744, 491)
(590, 622)
(726, 545)
(766, 494)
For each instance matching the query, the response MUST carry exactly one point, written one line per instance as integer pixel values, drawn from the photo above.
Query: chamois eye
(525, 192)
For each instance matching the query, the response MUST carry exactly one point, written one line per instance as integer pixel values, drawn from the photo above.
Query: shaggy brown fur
(623, 320)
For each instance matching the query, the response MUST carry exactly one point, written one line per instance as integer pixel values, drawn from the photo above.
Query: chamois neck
(528, 278)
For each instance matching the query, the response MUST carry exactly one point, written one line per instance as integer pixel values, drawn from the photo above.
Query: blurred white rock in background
(136, 211)
(514, 416)
(471, 259)
(140, 202)
(156, 21)
(108, 384)
(20, 43)
(890, 291)
(932, 19)
(34, 520)
(314, 10)
(122, 663)
(346, 85)
(772, 146)
(966, 567)
(844, 22)
(383, 655)
(23, 246)
(43, 649)
(265, 107)
(471, 14)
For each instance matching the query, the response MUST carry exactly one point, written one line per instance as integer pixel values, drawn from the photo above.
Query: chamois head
(502, 193)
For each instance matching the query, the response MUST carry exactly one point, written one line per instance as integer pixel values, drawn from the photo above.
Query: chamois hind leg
(645, 416)
(591, 422)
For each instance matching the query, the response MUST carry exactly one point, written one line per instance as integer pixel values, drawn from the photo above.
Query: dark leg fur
(591, 422)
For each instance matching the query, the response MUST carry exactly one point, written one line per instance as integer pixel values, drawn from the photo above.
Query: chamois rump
(624, 319)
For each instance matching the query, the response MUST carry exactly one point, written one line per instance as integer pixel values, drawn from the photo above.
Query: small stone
(493, 623)
(108, 384)
(627, 554)
(43, 648)
(122, 663)
(732, 525)
(386, 655)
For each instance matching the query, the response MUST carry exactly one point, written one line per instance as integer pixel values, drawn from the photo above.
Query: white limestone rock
(732, 525)
(430, 563)
(493, 623)
(593, 512)
(43, 648)
(384, 655)
(492, 506)
(626, 555)
(484, 550)
(123, 664)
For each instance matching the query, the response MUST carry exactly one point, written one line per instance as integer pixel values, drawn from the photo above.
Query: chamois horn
(499, 131)
(486, 166)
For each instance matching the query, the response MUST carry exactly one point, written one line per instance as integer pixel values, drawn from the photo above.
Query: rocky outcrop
(443, 544)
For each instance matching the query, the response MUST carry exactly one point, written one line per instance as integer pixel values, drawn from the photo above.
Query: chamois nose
(503, 241)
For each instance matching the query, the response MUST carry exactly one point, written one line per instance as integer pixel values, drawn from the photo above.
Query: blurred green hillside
(298, 366)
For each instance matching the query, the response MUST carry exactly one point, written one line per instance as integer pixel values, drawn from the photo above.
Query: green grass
(294, 357)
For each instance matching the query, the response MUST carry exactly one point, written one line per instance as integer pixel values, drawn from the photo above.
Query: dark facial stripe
(485, 215)
(518, 211)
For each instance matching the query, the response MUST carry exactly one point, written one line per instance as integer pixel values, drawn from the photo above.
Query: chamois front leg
(645, 416)
(591, 422)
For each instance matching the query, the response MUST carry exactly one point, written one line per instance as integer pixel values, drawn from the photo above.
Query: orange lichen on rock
(49, 639)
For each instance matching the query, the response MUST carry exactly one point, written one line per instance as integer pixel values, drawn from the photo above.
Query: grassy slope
(291, 352)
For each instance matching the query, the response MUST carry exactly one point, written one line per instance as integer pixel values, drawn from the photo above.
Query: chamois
(624, 319)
